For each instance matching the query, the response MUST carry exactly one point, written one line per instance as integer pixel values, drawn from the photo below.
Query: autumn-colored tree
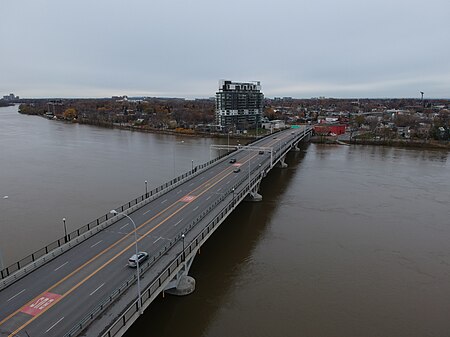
(70, 114)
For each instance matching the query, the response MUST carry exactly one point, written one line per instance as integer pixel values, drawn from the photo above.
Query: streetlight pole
(182, 236)
(65, 229)
(114, 212)
(192, 164)
(146, 191)
(233, 196)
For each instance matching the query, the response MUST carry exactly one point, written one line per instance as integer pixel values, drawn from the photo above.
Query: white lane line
(162, 202)
(61, 265)
(146, 212)
(179, 191)
(196, 208)
(16, 295)
(54, 324)
(124, 225)
(208, 198)
(191, 184)
(229, 181)
(92, 293)
(178, 222)
(202, 178)
(95, 244)
(157, 240)
(219, 189)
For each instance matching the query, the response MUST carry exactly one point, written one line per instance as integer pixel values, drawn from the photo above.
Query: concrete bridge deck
(88, 286)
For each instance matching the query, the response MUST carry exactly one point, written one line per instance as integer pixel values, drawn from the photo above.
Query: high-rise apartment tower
(239, 105)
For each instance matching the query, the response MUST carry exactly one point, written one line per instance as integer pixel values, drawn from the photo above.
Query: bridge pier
(186, 286)
(253, 195)
(295, 147)
(281, 163)
(182, 284)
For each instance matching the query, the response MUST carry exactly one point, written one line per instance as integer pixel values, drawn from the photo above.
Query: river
(348, 240)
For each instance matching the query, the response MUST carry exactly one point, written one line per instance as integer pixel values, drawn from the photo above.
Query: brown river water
(348, 241)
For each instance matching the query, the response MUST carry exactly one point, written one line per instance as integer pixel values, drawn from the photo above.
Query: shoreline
(413, 144)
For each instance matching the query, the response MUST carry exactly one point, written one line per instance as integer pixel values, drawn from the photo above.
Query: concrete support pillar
(182, 284)
(254, 195)
(281, 163)
(185, 286)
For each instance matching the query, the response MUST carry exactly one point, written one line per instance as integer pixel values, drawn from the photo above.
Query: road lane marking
(124, 225)
(178, 222)
(95, 244)
(146, 212)
(54, 325)
(16, 295)
(38, 305)
(196, 208)
(219, 189)
(191, 184)
(157, 240)
(188, 198)
(208, 197)
(179, 191)
(92, 293)
(162, 202)
(61, 266)
(219, 179)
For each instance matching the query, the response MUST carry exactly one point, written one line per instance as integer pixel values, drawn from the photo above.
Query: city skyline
(177, 49)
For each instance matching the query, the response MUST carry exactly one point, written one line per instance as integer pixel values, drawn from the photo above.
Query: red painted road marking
(40, 304)
(188, 198)
(237, 164)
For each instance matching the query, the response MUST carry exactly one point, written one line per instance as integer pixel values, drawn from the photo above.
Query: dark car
(261, 152)
(232, 160)
(237, 170)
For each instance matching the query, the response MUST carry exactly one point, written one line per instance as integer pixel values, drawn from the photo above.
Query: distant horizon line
(212, 97)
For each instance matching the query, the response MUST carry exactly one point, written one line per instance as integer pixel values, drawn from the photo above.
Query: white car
(133, 260)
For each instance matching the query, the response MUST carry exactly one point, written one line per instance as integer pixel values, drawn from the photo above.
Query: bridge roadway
(54, 298)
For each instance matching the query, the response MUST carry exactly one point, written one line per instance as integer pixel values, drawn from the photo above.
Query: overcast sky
(181, 48)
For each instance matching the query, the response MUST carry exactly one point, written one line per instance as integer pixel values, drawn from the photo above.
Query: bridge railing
(11, 269)
(169, 270)
(167, 273)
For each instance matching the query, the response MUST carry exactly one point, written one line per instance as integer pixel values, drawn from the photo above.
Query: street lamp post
(233, 196)
(182, 236)
(114, 212)
(146, 191)
(65, 229)
(192, 164)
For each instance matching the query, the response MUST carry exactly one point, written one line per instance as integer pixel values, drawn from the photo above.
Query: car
(133, 260)
(274, 137)
(261, 152)
(237, 170)
(232, 160)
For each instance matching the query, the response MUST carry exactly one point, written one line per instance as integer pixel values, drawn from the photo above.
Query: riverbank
(403, 143)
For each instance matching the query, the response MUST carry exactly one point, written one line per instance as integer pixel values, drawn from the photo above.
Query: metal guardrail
(170, 269)
(11, 269)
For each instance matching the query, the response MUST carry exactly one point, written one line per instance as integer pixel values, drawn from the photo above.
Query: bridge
(82, 283)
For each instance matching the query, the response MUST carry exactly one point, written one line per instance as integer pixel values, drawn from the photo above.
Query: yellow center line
(109, 261)
(205, 184)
